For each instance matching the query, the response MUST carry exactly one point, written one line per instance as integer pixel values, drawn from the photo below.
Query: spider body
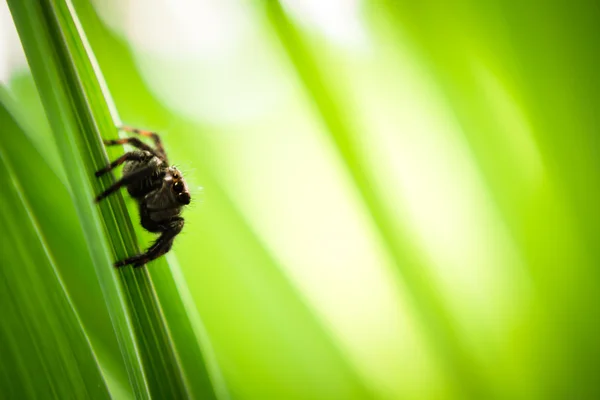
(158, 188)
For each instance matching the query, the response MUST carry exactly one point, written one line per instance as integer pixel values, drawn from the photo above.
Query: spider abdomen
(155, 220)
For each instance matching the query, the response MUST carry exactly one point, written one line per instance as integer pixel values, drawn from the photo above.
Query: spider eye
(177, 187)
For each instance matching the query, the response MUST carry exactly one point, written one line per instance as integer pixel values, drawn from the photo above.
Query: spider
(159, 189)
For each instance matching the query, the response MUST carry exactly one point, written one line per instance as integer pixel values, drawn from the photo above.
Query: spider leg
(126, 180)
(161, 245)
(130, 156)
(135, 142)
(155, 137)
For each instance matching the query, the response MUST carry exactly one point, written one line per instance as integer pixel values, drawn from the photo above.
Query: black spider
(160, 190)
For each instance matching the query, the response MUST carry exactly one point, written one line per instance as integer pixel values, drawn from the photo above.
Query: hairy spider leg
(155, 137)
(126, 180)
(130, 156)
(159, 247)
(137, 143)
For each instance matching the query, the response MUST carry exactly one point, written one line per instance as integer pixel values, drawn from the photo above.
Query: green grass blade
(50, 190)
(433, 313)
(65, 91)
(85, 109)
(45, 350)
(191, 345)
(63, 100)
(189, 337)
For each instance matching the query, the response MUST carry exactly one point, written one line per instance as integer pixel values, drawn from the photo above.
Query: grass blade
(41, 336)
(76, 108)
(192, 347)
(88, 108)
(435, 316)
(51, 192)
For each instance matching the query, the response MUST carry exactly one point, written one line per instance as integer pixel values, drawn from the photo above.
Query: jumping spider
(160, 190)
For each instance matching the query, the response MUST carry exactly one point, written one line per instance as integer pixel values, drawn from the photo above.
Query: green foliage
(45, 348)
(459, 144)
(77, 107)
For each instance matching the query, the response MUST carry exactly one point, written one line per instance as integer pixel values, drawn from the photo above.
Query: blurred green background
(391, 199)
